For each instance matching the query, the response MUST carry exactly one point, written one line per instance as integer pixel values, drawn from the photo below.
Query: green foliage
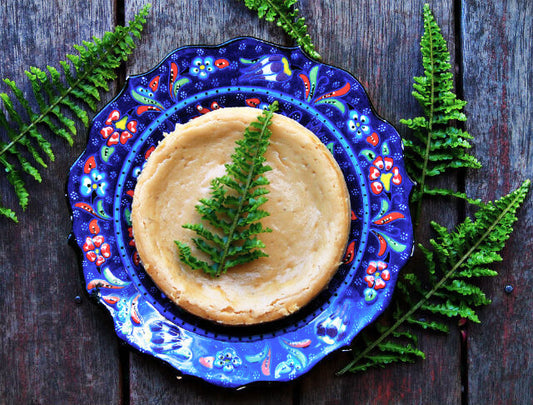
(59, 96)
(234, 207)
(287, 17)
(453, 260)
(444, 289)
(438, 145)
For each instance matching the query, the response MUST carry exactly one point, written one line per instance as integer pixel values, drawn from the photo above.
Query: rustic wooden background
(55, 350)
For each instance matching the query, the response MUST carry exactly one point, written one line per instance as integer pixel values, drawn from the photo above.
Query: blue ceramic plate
(243, 72)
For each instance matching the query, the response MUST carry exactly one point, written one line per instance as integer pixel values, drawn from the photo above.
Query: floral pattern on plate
(192, 81)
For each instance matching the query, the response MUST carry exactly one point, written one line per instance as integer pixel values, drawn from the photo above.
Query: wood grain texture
(180, 23)
(379, 44)
(49, 351)
(498, 86)
(156, 383)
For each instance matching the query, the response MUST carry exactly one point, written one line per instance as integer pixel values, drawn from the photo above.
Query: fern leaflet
(287, 17)
(438, 145)
(56, 93)
(455, 258)
(234, 206)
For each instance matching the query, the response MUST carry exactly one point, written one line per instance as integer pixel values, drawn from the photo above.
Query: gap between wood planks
(461, 184)
(123, 349)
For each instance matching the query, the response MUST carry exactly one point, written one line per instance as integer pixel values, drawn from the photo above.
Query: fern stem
(45, 113)
(436, 288)
(281, 15)
(429, 135)
(249, 179)
(35, 122)
(291, 24)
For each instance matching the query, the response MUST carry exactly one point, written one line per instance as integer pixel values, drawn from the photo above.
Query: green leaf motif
(106, 152)
(233, 209)
(70, 90)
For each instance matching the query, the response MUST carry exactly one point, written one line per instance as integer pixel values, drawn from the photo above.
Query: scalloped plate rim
(341, 343)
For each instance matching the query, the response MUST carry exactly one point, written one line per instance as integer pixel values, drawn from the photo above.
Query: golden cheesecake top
(309, 217)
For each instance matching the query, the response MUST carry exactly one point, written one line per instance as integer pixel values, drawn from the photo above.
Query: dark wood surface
(56, 350)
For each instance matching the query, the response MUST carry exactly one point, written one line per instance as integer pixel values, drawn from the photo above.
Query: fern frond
(437, 145)
(8, 213)
(288, 18)
(462, 253)
(54, 93)
(449, 193)
(234, 206)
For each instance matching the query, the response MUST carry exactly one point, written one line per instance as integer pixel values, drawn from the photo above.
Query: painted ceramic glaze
(188, 83)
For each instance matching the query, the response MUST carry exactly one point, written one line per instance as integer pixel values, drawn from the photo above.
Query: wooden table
(55, 349)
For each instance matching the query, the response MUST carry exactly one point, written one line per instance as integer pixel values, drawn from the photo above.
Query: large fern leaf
(455, 258)
(443, 289)
(286, 16)
(438, 145)
(234, 207)
(59, 94)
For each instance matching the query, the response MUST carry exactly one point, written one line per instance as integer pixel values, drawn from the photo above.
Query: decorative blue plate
(243, 72)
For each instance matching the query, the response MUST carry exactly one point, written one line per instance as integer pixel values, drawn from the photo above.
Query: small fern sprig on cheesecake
(61, 98)
(233, 210)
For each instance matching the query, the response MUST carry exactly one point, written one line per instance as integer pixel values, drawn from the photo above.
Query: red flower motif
(130, 234)
(377, 275)
(118, 130)
(381, 173)
(96, 251)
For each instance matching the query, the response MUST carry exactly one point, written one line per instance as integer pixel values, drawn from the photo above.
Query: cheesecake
(309, 217)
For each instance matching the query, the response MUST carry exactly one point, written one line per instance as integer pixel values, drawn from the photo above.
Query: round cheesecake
(309, 216)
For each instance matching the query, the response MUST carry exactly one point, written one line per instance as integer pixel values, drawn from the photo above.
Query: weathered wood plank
(157, 383)
(498, 81)
(52, 350)
(379, 43)
(181, 23)
(172, 25)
